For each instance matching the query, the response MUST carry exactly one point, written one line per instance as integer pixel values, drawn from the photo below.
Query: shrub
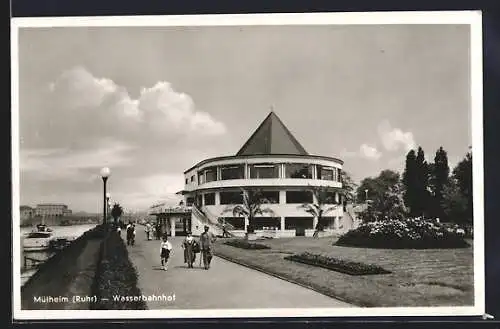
(413, 233)
(115, 276)
(243, 244)
(339, 265)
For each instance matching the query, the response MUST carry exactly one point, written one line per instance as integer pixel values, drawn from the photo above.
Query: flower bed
(116, 276)
(339, 265)
(243, 244)
(413, 233)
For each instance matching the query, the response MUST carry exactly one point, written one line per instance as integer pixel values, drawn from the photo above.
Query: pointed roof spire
(272, 137)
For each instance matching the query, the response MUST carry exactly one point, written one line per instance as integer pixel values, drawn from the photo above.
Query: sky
(151, 102)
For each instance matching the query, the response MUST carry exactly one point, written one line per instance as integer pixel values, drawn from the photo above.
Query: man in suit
(206, 241)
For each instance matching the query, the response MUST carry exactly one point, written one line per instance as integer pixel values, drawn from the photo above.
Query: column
(336, 223)
(217, 198)
(219, 173)
(203, 199)
(282, 170)
(246, 174)
(282, 197)
(282, 223)
(337, 197)
(172, 226)
(246, 223)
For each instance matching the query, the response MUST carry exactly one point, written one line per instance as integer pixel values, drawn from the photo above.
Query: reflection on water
(29, 258)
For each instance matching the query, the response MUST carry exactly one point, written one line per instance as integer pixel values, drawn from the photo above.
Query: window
(264, 171)
(232, 172)
(209, 199)
(298, 223)
(266, 223)
(189, 201)
(326, 173)
(210, 174)
(231, 198)
(235, 223)
(299, 197)
(192, 178)
(298, 170)
(186, 180)
(201, 177)
(271, 196)
(338, 176)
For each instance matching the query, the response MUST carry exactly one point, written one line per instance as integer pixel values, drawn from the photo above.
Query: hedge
(243, 244)
(115, 276)
(412, 233)
(335, 264)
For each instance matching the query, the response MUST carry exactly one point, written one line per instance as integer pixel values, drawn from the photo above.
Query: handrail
(201, 213)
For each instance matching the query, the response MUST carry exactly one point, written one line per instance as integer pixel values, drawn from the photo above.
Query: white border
(472, 18)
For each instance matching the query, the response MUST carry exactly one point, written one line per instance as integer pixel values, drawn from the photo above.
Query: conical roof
(272, 137)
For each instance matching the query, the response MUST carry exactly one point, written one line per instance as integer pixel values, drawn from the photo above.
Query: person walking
(147, 229)
(190, 247)
(206, 241)
(165, 249)
(158, 231)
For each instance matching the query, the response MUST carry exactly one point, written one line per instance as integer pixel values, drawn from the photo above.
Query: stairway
(203, 217)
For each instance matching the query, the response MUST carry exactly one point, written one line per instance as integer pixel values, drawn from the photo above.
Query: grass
(430, 277)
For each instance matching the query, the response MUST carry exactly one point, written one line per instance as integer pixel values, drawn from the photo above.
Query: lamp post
(105, 172)
(366, 195)
(108, 206)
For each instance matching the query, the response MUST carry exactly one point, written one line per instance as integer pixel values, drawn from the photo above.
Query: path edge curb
(256, 268)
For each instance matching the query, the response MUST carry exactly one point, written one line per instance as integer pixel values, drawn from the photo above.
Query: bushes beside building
(335, 264)
(115, 277)
(243, 244)
(413, 233)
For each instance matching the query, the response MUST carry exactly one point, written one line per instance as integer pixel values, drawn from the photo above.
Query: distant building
(26, 213)
(52, 210)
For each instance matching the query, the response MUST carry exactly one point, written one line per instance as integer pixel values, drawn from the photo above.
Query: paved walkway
(225, 285)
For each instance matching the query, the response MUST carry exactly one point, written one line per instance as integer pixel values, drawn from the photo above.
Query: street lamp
(366, 195)
(108, 206)
(105, 172)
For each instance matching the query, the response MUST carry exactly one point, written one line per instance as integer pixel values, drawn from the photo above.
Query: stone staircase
(203, 217)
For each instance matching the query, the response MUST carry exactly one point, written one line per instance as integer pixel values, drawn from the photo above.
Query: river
(70, 232)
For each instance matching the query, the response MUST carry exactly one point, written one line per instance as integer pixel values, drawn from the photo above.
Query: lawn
(431, 277)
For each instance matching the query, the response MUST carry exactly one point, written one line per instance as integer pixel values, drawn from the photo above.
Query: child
(166, 247)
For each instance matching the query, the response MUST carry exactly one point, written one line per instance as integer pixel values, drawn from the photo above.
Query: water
(69, 232)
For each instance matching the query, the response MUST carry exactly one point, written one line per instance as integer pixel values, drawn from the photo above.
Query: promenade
(225, 285)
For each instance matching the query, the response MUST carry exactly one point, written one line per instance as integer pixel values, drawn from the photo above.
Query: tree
(116, 212)
(416, 183)
(439, 177)
(454, 203)
(385, 194)
(349, 187)
(322, 197)
(253, 200)
(410, 182)
(462, 174)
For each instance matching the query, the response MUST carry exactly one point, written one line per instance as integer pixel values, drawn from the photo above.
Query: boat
(38, 239)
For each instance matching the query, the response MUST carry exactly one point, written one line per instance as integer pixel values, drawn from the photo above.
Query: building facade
(275, 163)
(52, 210)
(27, 213)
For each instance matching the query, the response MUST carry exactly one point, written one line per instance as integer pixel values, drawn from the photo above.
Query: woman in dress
(190, 247)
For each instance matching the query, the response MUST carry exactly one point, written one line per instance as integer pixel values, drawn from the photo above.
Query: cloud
(84, 122)
(369, 152)
(394, 139)
(59, 163)
(365, 151)
(79, 99)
